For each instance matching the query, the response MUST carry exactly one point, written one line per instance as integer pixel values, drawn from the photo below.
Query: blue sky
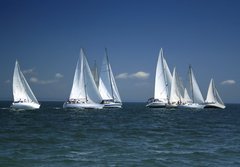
(46, 37)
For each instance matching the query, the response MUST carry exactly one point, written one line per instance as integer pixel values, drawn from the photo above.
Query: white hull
(25, 106)
(156, 105)
(192, 105)
(82, 106)
(171, 105)
(214, 105)
(113, 105)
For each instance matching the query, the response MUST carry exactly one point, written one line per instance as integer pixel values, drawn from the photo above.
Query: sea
(131, 136)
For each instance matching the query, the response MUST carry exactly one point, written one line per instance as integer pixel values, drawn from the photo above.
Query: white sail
(78, 90)
(212, 95)
(186, 98)
(175, 96)
(168, 75)
(21, 89)
(115, 89)
(107, 84)
(95, 73)
(161, 85)
(84, 87)
(195, 90)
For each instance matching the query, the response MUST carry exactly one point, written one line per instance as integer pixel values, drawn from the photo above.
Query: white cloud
(28, 71)
(44, 82)
(122, 76)
(137, 75)
(58, 75)
(228, 82)
(140, 75)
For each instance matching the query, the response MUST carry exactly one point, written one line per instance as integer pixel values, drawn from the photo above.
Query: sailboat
(196, 95)
(213, 99)
(84, 93)
(175, 95)
(23, 96)
(107, 86)
(163, 79)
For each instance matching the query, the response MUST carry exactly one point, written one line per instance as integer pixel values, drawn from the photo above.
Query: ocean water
(131, 136)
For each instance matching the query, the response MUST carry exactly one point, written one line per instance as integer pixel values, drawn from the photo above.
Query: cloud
(58, 75)
(137, 75)
(140, 75)
(122, 76)
(44, 82)
(228, 82)
(28, 71)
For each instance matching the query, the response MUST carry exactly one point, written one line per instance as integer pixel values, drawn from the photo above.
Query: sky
(45, 36)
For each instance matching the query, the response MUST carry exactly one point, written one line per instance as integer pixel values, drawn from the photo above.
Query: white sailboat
(213, 99)
(84, 93)
(23, 96)
(107, 86)
(175, 95)
(196, 95)
(163, 79)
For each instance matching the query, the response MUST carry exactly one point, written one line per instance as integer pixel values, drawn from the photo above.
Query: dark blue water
(132, 136)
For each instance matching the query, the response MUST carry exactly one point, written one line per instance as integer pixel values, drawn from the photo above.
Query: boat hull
(156, 105)
(215, 105)
(192, 106)
(171, 105)
(82, 106)
(25, 106)
(113, 105)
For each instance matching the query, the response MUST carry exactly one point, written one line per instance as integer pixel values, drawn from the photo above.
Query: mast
(110, 78)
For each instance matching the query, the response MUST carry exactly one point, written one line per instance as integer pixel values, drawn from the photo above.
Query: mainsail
(95, 73)
(175, 96)
(21, 89)
(195, 90)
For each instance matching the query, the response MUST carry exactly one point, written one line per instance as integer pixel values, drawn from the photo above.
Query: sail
(168, 75)
(175, 95)
(95, 73)
(212, 95)
(78, 90)
(84, 87)
(107, 84)
(160, 91)
(186, 98)
(116, 94)
(89, 84)
(196, 93)
(21, 89)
